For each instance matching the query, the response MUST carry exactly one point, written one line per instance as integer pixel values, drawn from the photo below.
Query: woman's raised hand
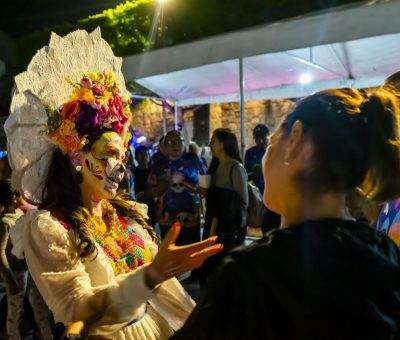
(173, 260)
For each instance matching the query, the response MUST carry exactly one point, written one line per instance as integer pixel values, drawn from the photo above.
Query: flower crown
(96, 103)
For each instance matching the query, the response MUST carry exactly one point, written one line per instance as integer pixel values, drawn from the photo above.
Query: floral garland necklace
(111, 233)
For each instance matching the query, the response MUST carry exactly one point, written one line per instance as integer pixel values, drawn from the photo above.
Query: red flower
(117, 127)
(69, 110)
(98, 90)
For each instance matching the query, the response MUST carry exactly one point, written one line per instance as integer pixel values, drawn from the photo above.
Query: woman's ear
(75, 158)
(294, 141)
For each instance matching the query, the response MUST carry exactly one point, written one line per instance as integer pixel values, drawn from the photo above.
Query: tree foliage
(126, 27)
(193, 19)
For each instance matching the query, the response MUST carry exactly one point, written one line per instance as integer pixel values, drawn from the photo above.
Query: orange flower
(69, 110)
(66, 137)
(67, 144)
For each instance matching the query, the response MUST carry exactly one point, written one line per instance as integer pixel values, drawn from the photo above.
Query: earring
(286, 163)
(78, 168)
(78, 177)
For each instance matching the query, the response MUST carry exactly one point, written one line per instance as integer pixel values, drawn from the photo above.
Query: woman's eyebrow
(108, 149)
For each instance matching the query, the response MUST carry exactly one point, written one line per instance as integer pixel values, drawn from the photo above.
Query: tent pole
(242, 84)
(176, 116)
(164, 120)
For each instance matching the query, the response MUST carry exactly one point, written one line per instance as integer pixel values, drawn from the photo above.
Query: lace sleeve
(66, 286)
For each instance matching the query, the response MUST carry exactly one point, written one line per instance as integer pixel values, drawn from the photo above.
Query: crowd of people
(113, 228)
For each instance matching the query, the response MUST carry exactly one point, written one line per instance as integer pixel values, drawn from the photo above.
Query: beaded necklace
(124, 248)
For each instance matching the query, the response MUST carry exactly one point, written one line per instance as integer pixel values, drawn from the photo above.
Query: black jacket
(327, 279)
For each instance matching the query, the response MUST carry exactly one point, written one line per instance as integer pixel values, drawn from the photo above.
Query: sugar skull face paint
(103, 167)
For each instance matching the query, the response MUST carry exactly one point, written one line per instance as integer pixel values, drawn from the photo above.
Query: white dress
(119, 307)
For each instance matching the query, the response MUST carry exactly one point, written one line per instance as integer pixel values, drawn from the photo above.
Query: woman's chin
(108, 193)
(270, 204)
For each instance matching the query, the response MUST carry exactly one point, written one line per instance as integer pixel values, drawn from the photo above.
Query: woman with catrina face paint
(90, 252)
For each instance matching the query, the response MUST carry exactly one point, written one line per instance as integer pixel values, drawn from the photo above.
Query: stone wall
(147, 120)
(268, 112)
(147, 117)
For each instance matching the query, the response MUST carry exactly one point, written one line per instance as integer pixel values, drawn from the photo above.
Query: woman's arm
(4, 266)
(5, 269)
(239, 180)
(66, 286)
(61, 276)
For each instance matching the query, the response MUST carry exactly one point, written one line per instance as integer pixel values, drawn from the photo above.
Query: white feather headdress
(41, 86)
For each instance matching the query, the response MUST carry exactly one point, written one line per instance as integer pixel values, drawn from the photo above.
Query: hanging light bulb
(305, 78)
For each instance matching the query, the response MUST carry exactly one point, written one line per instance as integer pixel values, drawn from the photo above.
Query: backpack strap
(231, 172)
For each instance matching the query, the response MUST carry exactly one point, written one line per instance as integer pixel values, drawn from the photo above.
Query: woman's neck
(316, 208)
(91, 204)
(224, 158)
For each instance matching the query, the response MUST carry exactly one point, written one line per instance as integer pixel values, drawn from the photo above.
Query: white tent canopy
(354, 45)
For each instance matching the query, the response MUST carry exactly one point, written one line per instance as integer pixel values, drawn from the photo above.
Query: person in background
(227, 198)
(142, 170)
(323, 275)
(128, 182)
(195, 150)
(253, 156)
(206, 155)
(174, 179)
(252, 162)
(160, 152)
(142, 188)
(15, 274)
(5, 170)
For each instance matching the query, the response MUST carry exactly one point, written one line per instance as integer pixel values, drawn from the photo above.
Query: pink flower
(115, 105)
(104, 114)
(86, 82)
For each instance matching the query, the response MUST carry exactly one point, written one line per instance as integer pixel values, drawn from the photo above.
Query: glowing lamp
(305, 78)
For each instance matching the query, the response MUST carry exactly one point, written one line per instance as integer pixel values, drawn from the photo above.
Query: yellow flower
(106, 96)
(126, 138)
(83, 94)
(94, 76)
(111, 77)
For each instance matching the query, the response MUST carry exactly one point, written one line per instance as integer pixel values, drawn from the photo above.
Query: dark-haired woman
(90, 252)
(227, 198)
(324, 275)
